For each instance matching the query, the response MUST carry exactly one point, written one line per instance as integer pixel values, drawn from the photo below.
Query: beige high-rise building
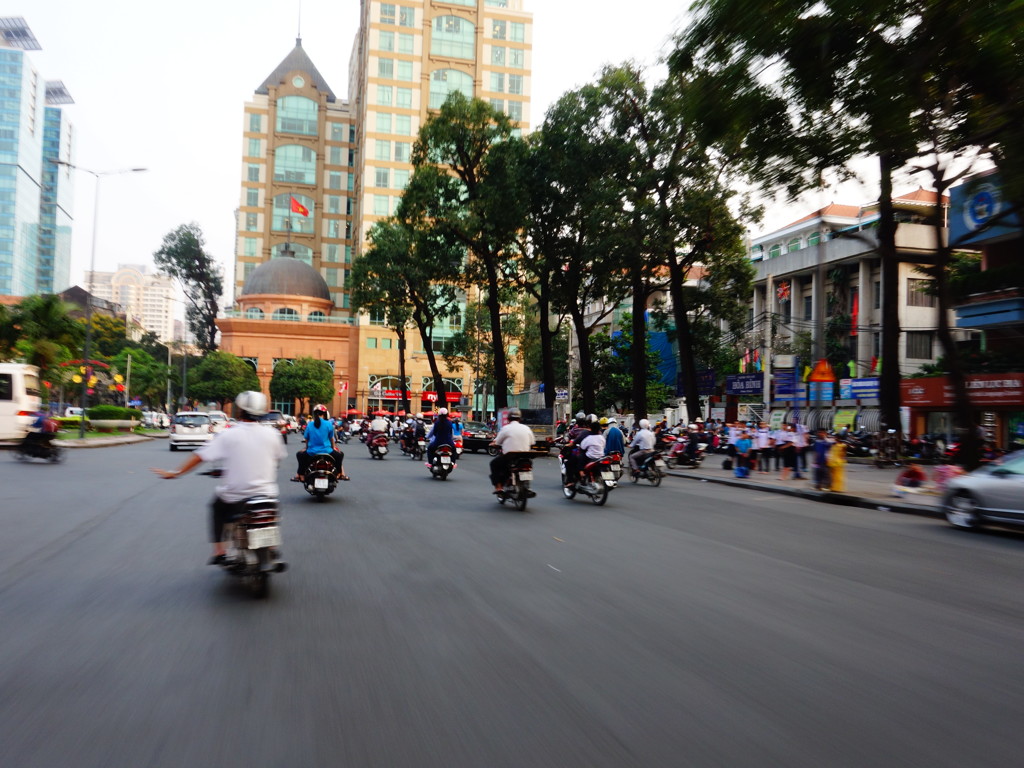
(318, 171)
(147, 298)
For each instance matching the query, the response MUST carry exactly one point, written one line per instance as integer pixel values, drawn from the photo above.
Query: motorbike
(516, 487)
(321, 477)
(39, 449)
(254, 541)
(652, 469)
(458, 447)
(419, 448)
(616, 464)
(344, 436)
(378, 446)
(443, 463)
(596, 480)
(678, 455)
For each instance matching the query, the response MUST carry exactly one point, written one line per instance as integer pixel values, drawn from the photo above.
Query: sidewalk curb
(104, 442)
(825, 497)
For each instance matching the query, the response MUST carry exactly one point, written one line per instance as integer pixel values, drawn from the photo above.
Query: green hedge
(113, 412)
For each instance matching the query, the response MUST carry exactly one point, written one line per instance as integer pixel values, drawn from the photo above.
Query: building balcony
(992, 297)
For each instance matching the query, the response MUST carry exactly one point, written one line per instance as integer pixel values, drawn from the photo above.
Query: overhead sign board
(744, 384)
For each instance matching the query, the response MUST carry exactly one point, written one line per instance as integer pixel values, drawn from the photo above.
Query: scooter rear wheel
(601, 496)
(569, 491)
(520, 499)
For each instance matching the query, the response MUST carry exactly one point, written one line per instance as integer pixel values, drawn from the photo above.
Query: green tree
(183, 256)
(305, 380)
(220, 376)
(473, 345)
(109, 335)
(469, 190)
(46, 330)
(8, 333)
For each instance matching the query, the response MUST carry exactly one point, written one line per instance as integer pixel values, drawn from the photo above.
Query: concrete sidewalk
(866, 486)
(94, 442)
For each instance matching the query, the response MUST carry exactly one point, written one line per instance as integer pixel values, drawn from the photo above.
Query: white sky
(162, 86)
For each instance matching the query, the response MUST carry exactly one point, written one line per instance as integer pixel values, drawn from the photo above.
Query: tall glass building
(35, 228)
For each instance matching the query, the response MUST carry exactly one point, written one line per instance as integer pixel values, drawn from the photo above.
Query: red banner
(395, 394)
(984, 390)
(451, 397)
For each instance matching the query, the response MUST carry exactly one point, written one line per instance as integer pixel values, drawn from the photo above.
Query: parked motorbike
(443, 462)
(321, 477)
(254, 541)
(596, 480)
(516, 487)
(652, 469)
(39, 449)
(378, 446)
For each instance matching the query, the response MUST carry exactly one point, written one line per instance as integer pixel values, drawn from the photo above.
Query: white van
(19, 399)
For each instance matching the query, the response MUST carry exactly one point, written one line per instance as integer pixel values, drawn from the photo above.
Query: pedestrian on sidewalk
(786, 450)
(744, 446)
(800, 446)
(821, 471)
(837, 466)
(763, 442)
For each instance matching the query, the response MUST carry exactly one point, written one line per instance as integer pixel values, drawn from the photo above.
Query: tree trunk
(687, 362)
(498, 344)
(404, 400)
(889, 383)
(963, 413)
(547, 351)
(435, 372)
(587, 395)
(638, 352)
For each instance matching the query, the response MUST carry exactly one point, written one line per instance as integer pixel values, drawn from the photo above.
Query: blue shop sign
(973, 205)
(744, 384)
(785, 384)
(705, 383)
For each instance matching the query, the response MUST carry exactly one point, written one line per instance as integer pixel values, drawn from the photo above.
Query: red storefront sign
(395, 394)
(451, 397)
(984, 389)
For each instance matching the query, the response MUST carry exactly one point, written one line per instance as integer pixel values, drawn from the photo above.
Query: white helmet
(591, 417)
(645, 424)
(443, 412)
(613, 420)
(692, 426)
(411, 422)
(581, 415)
(254, 403)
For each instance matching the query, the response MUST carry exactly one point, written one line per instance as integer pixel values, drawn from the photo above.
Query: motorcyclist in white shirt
(515, 440)
(642, 445)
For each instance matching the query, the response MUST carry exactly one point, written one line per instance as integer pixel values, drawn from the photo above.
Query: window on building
(516, 58)
(515, 110)
(386, 41)
(919, 293)
(337, 131)
(498, 82)
(371, 343)
(386, 68)
(406, 16)
(757, 252)
(401, 177)
(405, 70)
(298, 252)
(252, 198)
(406, 43)
(814, 238)
(515, 84)
(255, 148)
(297, 114)
(498, 55)
(377, 317)
(316, 316)
(877, 291)
(380, 205)
(919, 345)
(387, 13)
(808, 309)
(404, 98)
(498, 3)
(518, 32)
(402, 149)
(453, 37)
(385, 95)
(334, 155)
(774, 251)
(445, 81)
(333, 204)
(385, 343)
(499, 30)
(383, 122)
(334, 180)
(254, 313)
(382, 178)
(498, 105)
(295, 164)
(793, 245)
(255, 123)
(252, 222)
(382, 149)
(253, 172)
(285, 313)
(249, 246)
(403, 124)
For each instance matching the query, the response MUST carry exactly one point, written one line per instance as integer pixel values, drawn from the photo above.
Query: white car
(219, 420)
(990, 495)
(190, 428)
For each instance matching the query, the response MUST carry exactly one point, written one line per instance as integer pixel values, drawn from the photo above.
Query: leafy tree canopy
(220, 376)
(183, 256)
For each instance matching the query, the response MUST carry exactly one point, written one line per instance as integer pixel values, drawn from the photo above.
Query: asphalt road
(424, 625)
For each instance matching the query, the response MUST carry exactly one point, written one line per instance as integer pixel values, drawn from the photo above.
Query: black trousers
(304, 458)
(501, 464)
(223, 512)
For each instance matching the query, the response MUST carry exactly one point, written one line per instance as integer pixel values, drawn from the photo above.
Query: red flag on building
(298, 207)
(854, 316)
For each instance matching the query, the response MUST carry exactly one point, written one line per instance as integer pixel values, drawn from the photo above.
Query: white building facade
(148, 298)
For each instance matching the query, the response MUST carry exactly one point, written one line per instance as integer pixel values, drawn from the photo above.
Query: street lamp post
(98, 175)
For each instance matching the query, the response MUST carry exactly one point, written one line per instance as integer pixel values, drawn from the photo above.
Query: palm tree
(44, 326)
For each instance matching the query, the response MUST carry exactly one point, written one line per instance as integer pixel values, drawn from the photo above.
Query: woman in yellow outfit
(837, 466)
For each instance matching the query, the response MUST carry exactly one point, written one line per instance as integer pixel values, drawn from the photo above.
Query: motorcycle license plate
(383, 450)
(421, 444)
(607, 476)
(445, 461)
(320, 483)
(525, 476)
(264, 537)
(660, 464)
(616, 467)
